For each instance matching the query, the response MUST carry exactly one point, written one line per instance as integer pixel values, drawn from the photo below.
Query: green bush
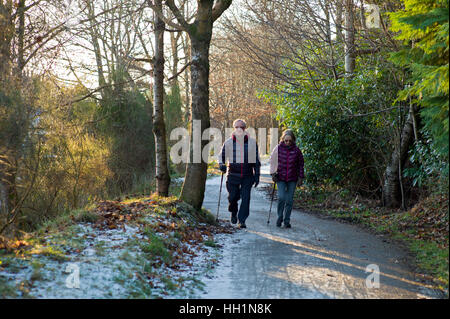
(430, 169)
(338, 145)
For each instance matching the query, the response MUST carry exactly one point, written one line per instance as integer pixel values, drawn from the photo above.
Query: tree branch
(180, 27)
(372, 113)
(90, 94)
(178, 15)
(367, 51)
(179, 72)
(219, 8)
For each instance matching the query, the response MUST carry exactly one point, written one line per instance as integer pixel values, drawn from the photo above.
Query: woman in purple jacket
(286, 168)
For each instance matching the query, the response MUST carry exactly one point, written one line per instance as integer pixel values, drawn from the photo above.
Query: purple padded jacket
(288, 162)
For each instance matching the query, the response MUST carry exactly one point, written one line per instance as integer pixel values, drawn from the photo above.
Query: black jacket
(242, 157)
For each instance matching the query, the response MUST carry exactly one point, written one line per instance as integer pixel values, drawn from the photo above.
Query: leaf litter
(146, 248)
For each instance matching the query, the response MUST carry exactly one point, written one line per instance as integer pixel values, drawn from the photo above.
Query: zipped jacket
(241, 154)
(288, 162)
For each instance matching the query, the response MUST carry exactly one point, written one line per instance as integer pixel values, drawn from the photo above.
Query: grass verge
(172, 234)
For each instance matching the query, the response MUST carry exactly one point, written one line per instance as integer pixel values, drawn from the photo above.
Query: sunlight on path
(316, 258)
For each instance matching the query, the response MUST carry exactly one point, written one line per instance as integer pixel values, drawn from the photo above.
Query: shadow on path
(316, 258)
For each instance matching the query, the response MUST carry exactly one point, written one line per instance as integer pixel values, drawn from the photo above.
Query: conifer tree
(423, 26)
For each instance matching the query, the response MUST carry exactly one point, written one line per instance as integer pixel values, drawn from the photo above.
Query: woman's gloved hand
(275, 177)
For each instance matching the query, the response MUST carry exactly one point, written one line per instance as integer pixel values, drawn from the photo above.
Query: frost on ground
(133, 250)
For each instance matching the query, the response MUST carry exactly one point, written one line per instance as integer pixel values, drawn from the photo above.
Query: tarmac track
(315, 259)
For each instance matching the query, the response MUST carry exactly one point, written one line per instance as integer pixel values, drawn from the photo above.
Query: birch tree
(200, 33)
(159, 128)
(349, 38)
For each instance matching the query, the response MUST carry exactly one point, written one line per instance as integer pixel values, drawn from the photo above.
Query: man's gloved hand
(299, 182)
(275, 177)
(223, 168)
(256, 180)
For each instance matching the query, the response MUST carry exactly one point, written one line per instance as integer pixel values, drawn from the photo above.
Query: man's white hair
(239, 120)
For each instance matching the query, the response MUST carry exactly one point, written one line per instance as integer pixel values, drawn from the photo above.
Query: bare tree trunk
(9, 82)
(196, 172)
(339, 35)
(159, 128)
(174, 116)
(200, 33)
(326, 9)
(5, 38)
(98, 56)
(362, 16)
(21, 31)
(4, 198)
(6, 35)
(174, 44)
(391, 187)
(187, 53)
(4, 207)
(349, 38)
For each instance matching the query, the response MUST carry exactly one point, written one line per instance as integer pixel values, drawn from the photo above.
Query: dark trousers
(240, 189)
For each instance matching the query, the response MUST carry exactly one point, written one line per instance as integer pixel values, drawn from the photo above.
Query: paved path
(316, 258)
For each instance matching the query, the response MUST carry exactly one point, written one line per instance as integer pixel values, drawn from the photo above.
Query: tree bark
(9, 77)
(104, 92)
(187, 53)
(196, 172)
(4, 205)
(173, 112)
(6, 36)
(21, 34)
(174, 44)
(339, 35)
(391, 187)
(349, 39)
(4, 197)
(200, 33)
(327, 12)
(159, 127)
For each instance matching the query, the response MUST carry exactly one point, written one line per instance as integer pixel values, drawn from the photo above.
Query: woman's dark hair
(289, 133)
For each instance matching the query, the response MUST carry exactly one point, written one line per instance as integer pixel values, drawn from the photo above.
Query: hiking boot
(240, 226)
(233, 218)
(287, 225)
(279, 220)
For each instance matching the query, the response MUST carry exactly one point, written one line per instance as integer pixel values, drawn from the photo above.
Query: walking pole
(271, 201)
(220, 195)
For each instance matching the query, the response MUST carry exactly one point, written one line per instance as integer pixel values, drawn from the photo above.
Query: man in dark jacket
(241, 153)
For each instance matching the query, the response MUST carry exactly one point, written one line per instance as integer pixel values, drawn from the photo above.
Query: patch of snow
(109, 264)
